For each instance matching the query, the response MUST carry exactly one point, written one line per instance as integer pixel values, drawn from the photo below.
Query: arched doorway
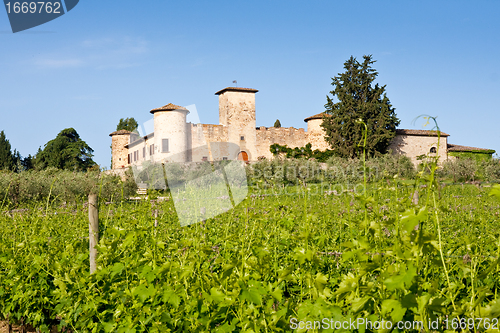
(243, 156)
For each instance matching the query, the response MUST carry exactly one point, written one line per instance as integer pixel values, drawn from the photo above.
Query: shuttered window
(164, 145)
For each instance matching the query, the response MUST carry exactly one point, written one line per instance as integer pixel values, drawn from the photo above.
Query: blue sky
(106, 60)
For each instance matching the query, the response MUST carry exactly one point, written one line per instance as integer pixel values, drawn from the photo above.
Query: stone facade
(176, 140)
(119, 140)
(414, 143)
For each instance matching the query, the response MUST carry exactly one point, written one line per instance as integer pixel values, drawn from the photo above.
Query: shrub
(490, 169)
(460, 169)
(61, 186)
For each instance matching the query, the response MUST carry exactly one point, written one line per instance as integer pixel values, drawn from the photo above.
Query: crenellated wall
(237, 134)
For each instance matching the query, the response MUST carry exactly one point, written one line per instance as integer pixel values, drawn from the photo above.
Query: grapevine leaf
(393, 308)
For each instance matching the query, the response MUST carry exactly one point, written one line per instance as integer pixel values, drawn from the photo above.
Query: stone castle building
(176, 140)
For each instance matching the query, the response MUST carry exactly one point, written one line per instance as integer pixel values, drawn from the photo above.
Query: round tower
(119, 153)
(170, 133)
(314, 122)
(316, 133)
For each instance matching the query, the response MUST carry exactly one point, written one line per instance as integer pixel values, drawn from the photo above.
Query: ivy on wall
(301, 152)
(474, 155)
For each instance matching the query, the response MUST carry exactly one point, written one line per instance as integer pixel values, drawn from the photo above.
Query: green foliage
(61, 186)
(460, 169)
(67, 151)
(475, 155)
(300, 152)
(302, 254)
(7, 158)
(333, 171)
(128, 124)
(277, 123)
(358, 100)
(489, 170)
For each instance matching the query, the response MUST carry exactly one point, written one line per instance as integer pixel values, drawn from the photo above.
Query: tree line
(67, 151)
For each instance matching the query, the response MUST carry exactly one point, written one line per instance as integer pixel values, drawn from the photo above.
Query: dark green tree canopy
(7, 159)
(66, 151)
(358, 99)
(129, 124)
(277, 123)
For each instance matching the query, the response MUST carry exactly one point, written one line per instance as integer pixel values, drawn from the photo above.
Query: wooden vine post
(93, 230)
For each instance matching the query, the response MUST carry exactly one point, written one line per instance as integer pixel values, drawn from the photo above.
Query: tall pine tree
(359, 99)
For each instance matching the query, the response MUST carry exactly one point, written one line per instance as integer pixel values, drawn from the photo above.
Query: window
(151, 149)
(224, 158)
(135, 155)
(143, 152)
(164, 145)
(242, 138)
(433, 150)
(204, 158)
(129, 159)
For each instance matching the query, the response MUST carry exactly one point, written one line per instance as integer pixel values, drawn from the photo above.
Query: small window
(204, 158)
(242, 138)
(433, 150)
(135, 155)
(143, 152)
(224, 158)
(151, 149)
(129, 159)
(164, 145)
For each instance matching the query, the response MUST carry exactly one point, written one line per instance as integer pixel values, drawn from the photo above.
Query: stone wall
(199, 138)
(237, 113)
(416, 145)
(171, 125)
(267, 136)
(119, 152)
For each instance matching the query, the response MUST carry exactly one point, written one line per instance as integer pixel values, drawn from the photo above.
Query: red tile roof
(419, 132)
(120, 132)
(317, 116)
(168, 107)
(452, 147)
(236, 89)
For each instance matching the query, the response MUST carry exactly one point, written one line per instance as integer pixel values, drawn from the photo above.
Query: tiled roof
(120, 132)
(317, 116)
(236, 89)
(419, 132)
(168, 107)
(452, 147)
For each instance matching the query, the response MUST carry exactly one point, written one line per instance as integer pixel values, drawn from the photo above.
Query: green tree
(277, 123)
(66, 151)
(7, 159)
(129, 124)
(358, 100)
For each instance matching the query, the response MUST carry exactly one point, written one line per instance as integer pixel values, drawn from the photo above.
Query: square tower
(237, 113)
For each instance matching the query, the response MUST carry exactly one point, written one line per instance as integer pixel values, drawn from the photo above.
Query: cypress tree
(6, 158)
(358, 99)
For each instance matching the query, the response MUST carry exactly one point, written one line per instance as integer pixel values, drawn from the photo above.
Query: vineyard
(285, 255)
